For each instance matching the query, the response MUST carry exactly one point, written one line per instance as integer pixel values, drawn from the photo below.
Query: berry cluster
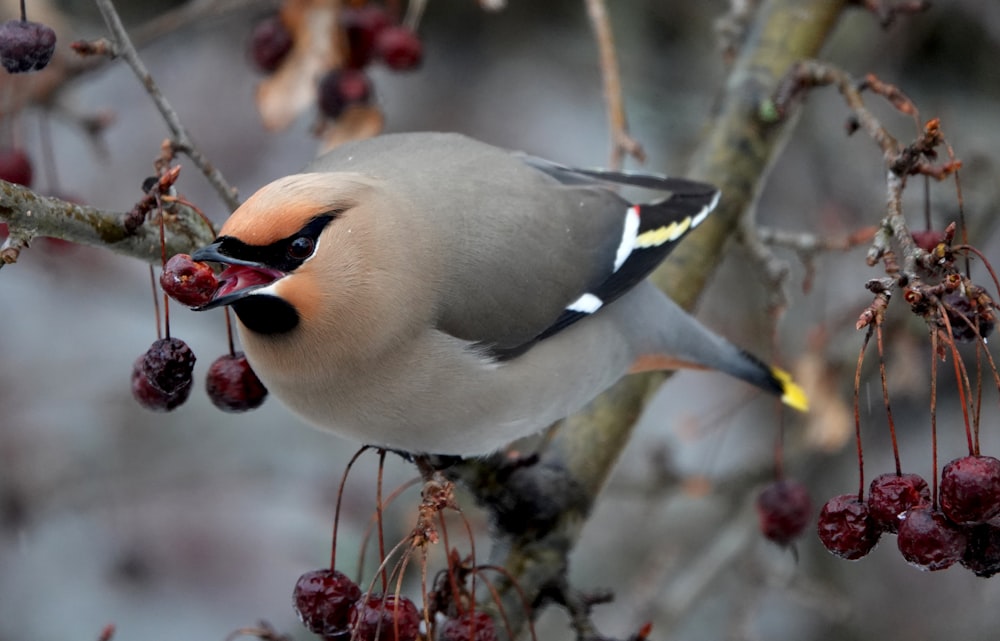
(960, 528)
(368, 34)
(330, 604)
(161, 378)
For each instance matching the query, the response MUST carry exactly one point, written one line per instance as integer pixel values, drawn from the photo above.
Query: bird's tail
(673, 339)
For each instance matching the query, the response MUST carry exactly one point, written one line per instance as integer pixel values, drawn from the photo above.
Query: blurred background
(192, 524)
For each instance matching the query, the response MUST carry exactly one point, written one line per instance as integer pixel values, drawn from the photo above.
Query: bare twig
(182, 141)
(622, 144)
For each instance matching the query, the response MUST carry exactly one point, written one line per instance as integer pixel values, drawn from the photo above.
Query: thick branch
(29, 215)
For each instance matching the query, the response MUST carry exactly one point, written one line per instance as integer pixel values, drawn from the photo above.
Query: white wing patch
(629, 235)
(586, 304)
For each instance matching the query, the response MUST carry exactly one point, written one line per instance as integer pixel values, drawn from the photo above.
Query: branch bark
(735, 155)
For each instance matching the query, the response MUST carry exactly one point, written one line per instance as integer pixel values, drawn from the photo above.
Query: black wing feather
(689, 200)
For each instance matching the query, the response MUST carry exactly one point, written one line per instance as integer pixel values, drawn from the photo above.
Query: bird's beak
(239, 279)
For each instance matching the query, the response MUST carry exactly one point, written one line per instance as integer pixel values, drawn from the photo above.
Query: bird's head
(287, 248)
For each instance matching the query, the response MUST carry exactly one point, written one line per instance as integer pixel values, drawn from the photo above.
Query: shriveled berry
(151, 397)
(471, 626)
(958, 307)
(970, 489)
(232, 385)
(187, 281)
(270, 43)
(845, 528)
(323, 598)
(25, 45)
(891, 495)
(15, 166)
(168, 364)
(929, 541)
(384, 618)
(399, 48)
(783, 510)
(361, 27)
(982, 550)
(340, 88)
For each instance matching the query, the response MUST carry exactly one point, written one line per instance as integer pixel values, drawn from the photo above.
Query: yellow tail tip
(791, 394)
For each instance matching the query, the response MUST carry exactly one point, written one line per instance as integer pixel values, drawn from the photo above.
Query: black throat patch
(266, 314)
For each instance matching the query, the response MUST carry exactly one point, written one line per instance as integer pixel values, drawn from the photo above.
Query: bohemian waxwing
(430, 293)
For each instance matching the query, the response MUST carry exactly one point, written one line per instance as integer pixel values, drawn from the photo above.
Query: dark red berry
(384, 618)
(928, 540)
(965, 318)
(26, 46)
(187, 281)
(783, 509)
(152, 398)
(270, 43)
(970, 489)
(362, 26)
(471, 626)
(927, 239)
(891, 495)
(845, 528)
(982, 550)
(168, 364)
(232, 385)
(399, 48)
(323, 598)
(15, 166)
(340, 88)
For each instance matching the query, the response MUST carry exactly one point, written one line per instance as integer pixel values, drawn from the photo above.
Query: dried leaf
(291, 90)
(356, 123)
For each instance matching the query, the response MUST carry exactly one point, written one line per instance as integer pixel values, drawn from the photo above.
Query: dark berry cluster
(962, 527)
(367, 34)
(331, 605)
(161, 378)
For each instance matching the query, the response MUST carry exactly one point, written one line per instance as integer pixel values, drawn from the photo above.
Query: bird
(433, 294)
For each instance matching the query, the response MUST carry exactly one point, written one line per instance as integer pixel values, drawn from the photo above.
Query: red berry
(399, 48)
(26, 46)
(927, 239)
(361, 27)
(845, 528)
(188, 282)
(340, 88)
(891, 495)
(970, 489)
(270, 43)
(15, 166)
(168, 364)
(928, 540)
(982, 551)
(471, 626)
(384, 618)
(783, 509)
(232, 385)
(152, 398)
(322, 599)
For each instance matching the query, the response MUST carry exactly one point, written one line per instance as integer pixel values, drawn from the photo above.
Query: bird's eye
(301, 248)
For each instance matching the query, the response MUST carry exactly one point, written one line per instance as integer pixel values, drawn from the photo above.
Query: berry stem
(229, 332)
(934, 456)
(885, 397)
(163, 262)
(962, 381)
(24, 12)
(378, 516)
(857, 414)
(340, 499)
(156, 303)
